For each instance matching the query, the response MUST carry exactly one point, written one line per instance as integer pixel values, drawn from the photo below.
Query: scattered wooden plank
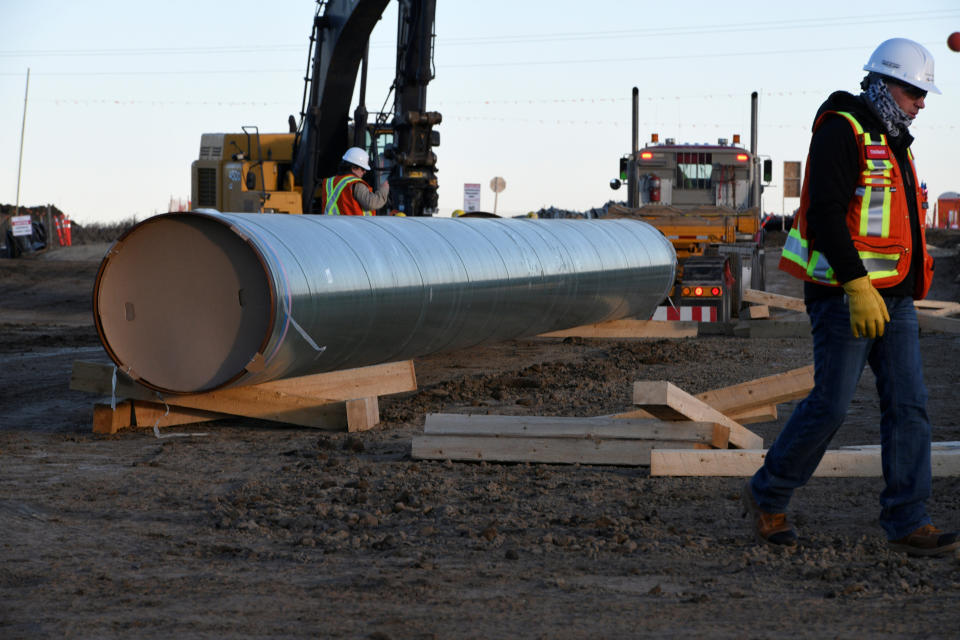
(836, 463)
(773, 300)
(558, 440)
(756, 414)
(584, 450)
(761, 392)
(937, 307)
(937, 324)
(668, 402)
(629, 328)
(711, 433)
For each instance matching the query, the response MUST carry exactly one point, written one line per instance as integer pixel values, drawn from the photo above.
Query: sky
(536, 92)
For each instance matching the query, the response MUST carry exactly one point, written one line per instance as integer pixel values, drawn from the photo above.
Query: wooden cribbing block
(756, 312)
(629, 328)
(109, 420)
(773, 300)
(837, 463)
(311, 401)
(150, 414)
(668, 402)
(362, 413)
(558, 440)
(761, 392)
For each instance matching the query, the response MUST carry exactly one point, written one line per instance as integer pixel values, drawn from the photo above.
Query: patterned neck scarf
(884, 106)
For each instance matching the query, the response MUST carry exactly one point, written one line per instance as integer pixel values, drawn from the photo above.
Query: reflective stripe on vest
(333, 190)
(869, 214)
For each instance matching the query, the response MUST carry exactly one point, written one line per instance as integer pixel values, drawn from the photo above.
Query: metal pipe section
(196, 301)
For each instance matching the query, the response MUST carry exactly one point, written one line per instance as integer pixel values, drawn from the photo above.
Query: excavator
(283, 172)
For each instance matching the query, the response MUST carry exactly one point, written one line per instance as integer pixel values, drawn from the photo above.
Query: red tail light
(715, 291)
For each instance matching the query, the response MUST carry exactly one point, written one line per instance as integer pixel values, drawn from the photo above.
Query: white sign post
(471, 197)
(497, 185)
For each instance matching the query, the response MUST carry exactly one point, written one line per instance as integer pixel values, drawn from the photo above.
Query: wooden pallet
(334, 401)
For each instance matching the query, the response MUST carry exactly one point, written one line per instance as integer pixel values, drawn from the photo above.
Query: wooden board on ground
(773, 300)
(937, 307)
(761, 392)
(937, 324)
(753, 415)
(557, 440)
(668, 402)
(847, 462)
(629, 328)
(335, 400)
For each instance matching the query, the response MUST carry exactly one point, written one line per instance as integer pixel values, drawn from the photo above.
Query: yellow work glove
(868, 312)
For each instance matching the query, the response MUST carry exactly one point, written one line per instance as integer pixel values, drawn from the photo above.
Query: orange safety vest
(338, 200)
(878, 218)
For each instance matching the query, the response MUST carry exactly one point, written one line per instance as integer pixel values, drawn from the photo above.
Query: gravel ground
(259, 530)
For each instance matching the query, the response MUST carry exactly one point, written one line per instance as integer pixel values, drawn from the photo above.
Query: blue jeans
(839, 359)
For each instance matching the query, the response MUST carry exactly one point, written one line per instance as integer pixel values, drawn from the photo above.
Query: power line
(524, 38)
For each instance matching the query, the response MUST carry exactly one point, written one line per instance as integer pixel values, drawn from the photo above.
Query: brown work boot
(769, 528)
(927, 541)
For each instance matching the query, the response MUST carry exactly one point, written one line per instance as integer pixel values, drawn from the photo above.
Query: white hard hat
(904, 60)
(357, 156)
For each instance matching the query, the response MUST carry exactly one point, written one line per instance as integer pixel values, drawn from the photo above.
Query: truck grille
(206, 187)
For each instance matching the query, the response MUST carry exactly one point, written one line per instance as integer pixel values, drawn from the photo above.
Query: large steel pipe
(196, 301)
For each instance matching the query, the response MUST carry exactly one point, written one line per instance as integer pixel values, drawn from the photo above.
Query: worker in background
(346, 194)
(858, 244)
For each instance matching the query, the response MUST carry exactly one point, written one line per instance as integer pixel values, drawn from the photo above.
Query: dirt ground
(261, 530)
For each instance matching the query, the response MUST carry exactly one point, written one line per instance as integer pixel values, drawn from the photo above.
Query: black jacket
(834, 165)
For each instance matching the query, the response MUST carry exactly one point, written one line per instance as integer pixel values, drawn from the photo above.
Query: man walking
(858, 244)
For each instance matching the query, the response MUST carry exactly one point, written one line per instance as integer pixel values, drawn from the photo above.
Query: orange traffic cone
(66, 230)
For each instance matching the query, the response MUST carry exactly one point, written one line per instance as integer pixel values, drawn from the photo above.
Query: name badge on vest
(877, 152)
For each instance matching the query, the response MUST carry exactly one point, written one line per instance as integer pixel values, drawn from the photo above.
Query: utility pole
(23, 128)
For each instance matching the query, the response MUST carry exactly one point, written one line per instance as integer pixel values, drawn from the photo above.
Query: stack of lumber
(666, 416)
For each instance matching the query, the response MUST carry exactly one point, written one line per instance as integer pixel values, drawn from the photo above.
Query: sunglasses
(912, 92)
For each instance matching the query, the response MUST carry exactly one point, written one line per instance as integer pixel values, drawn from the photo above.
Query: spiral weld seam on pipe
(196, 301)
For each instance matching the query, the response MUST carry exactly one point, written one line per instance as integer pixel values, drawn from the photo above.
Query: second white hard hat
(357, 156)
(904, 60)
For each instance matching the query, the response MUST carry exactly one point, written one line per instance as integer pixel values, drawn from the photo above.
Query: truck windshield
(694, 170)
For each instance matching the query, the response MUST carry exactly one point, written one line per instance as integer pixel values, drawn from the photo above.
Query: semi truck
(705, 198)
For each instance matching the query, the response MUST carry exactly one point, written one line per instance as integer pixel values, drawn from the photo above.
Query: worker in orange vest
(346, 194)
(858, 244)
